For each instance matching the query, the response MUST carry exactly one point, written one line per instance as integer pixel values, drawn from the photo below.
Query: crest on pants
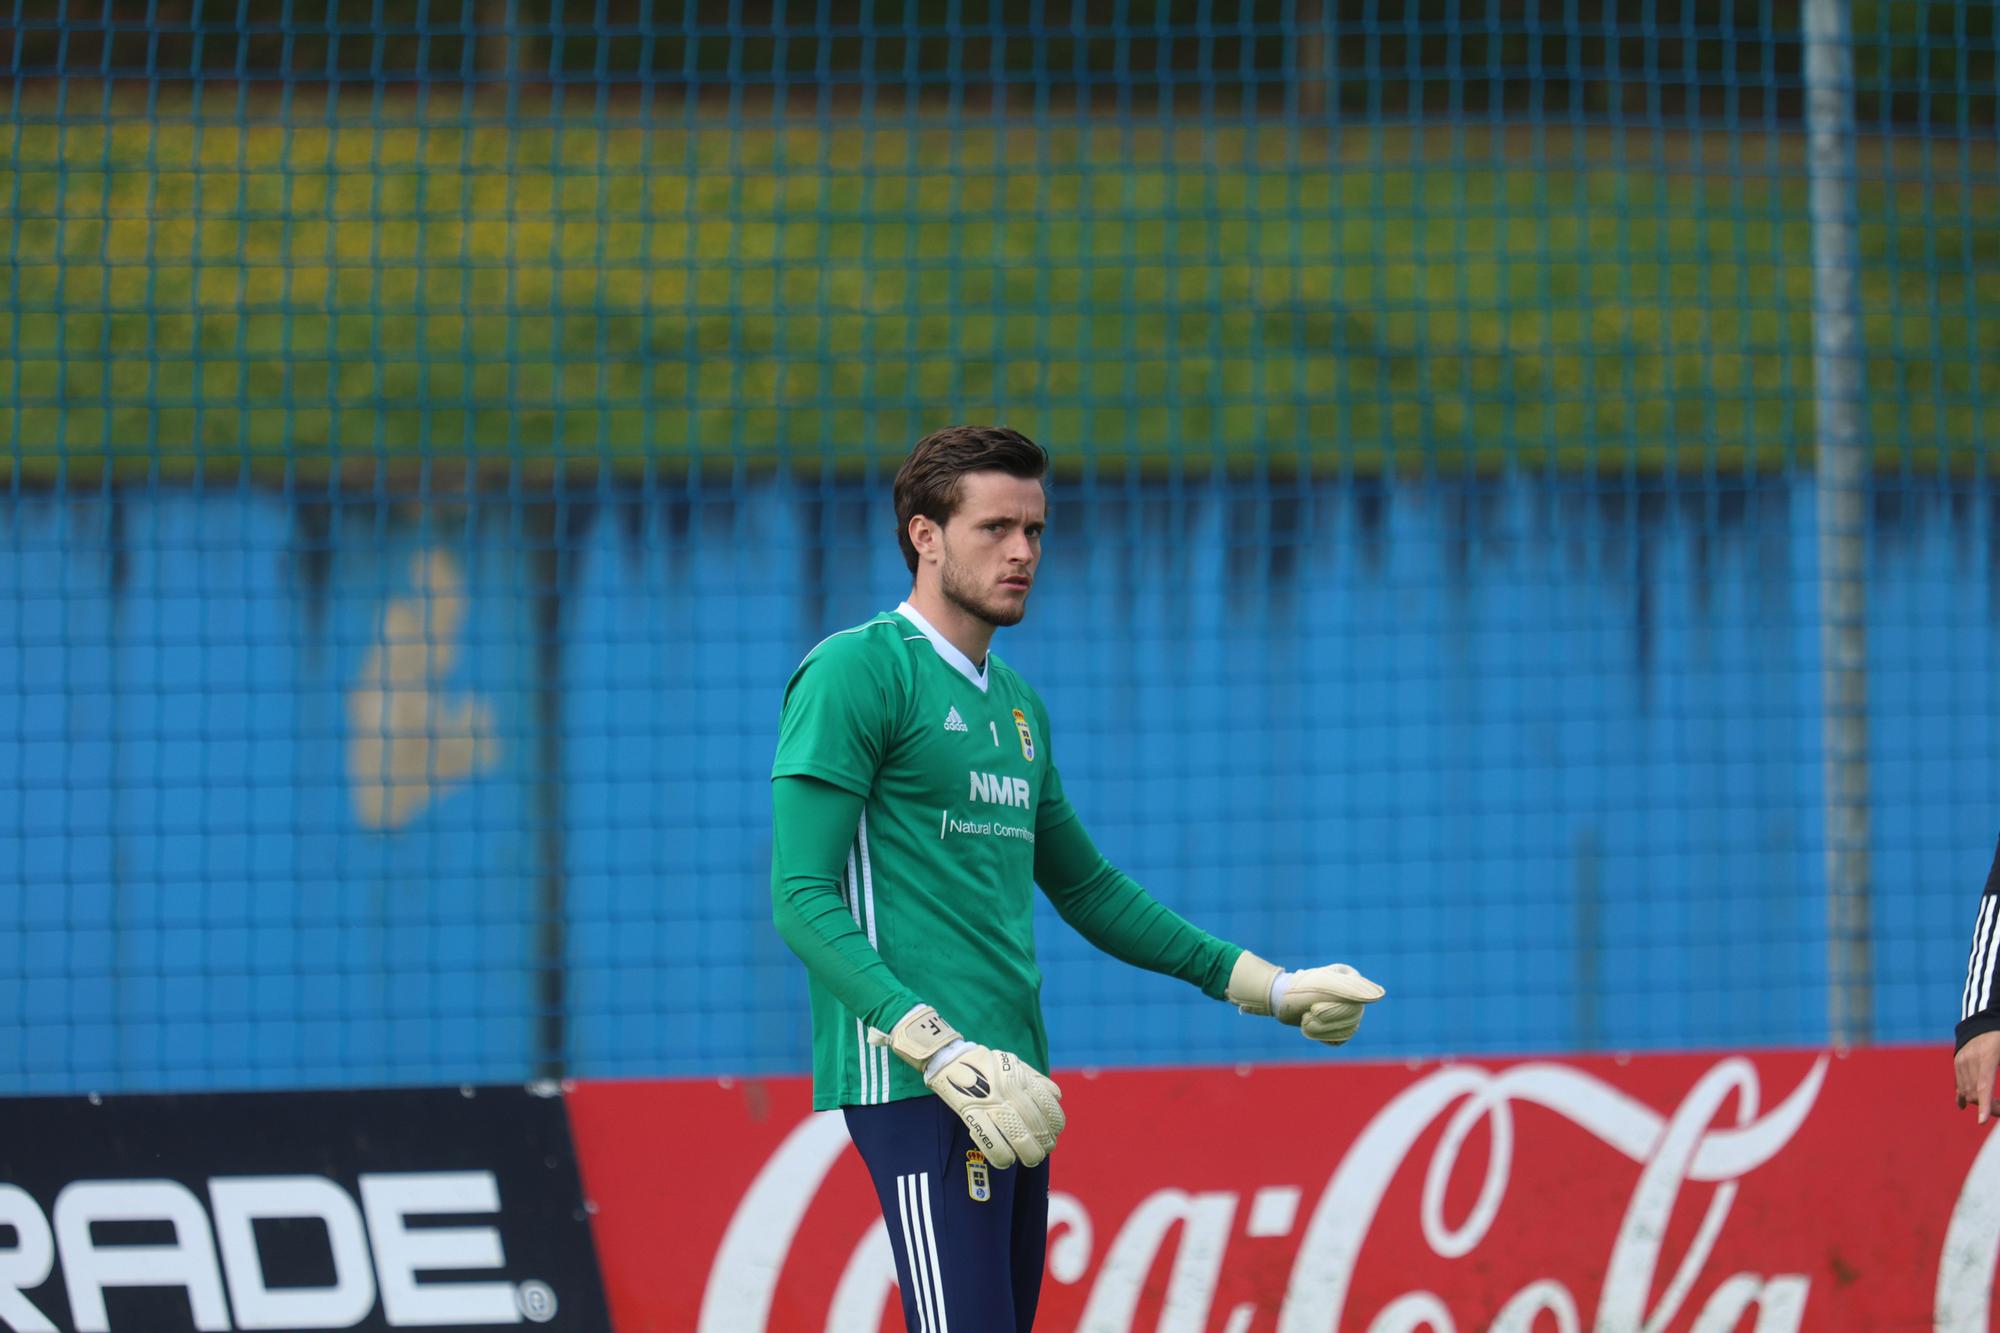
(978, 1183)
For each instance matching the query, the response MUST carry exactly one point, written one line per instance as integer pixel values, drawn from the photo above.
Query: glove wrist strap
(1250, 984)
(920, 1035)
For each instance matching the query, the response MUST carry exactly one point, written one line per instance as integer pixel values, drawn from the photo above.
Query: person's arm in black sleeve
(1978, 1012)
(1978, 1053)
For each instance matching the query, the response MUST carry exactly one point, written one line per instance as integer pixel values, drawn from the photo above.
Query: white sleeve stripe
(1972, 962)
(1988, 950)
(1973, 959)
(861, 901)
(1979, 967)
(1982, 956)
(1965, 991)
(867, 875)
(865, 1069)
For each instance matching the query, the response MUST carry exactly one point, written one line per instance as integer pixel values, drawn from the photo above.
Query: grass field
(326, 294)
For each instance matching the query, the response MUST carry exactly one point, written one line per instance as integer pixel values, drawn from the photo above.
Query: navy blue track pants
(969, 1239)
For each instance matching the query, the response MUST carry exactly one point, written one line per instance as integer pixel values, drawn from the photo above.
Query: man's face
(989, 549)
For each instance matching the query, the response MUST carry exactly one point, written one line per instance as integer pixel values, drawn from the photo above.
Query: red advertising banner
(1771, 1191)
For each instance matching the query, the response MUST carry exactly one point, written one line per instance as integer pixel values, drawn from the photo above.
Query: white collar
(945, 647)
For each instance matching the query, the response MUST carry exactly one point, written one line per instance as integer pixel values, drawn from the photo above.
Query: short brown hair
(927, 483)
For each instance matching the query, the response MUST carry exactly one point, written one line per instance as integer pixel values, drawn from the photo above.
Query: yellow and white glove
(1325, 1003)
(1013, 1111)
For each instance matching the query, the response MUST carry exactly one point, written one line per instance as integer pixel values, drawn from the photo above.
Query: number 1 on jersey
(994, 727)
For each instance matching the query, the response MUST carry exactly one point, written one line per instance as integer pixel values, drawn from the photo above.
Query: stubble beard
(958, 591)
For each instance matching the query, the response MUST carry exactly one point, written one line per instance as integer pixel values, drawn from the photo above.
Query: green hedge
(302, 293)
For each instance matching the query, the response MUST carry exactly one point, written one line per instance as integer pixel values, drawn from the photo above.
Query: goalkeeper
(915, 803)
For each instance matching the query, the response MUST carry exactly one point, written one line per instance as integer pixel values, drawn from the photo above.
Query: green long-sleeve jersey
(915, 804)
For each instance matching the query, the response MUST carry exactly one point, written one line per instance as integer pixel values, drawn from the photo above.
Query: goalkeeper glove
(1325, 1003)
(1013, 1112)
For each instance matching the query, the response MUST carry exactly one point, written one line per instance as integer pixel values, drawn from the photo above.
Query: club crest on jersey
(1027, 737)
(978, 1183)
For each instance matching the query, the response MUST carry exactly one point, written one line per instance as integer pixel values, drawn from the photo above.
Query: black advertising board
(411, 1208)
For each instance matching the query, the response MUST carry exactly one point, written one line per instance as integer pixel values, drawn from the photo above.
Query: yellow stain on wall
(408, 742)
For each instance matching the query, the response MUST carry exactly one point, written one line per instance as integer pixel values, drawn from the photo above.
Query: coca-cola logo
(1673, 1150)
(1455, 1153)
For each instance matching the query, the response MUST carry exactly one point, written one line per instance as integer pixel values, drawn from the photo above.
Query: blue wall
(1542, 755)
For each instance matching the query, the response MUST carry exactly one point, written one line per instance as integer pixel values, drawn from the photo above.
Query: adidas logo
(952, 721)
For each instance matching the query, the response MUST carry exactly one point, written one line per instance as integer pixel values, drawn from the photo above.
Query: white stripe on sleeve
(1972, 962)
(867, 875)
(865, 1068)
(1980, 967)
(861, 876)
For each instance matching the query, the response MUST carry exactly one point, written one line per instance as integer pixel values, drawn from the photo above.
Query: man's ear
(924, 534)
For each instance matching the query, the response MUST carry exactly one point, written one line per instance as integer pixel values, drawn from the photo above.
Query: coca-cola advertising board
(1769, 1191)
